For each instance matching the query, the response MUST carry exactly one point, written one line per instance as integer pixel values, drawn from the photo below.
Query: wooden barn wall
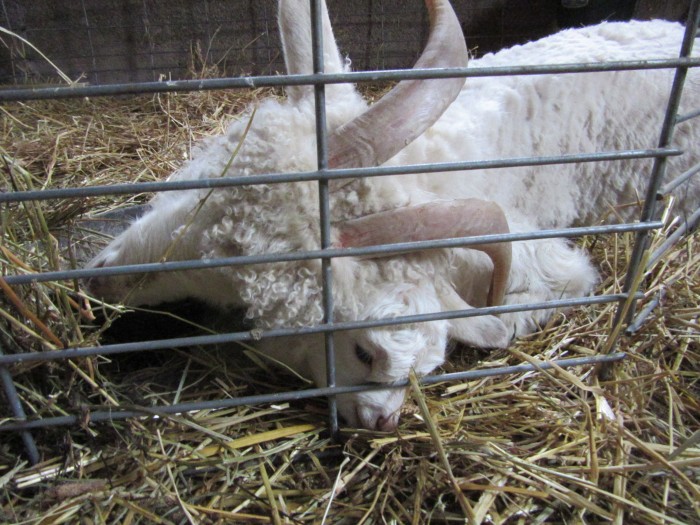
(103, 41)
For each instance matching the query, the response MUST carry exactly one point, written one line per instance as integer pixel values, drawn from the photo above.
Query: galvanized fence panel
(323, 175)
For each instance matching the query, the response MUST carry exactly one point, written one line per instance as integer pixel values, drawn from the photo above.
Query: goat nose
(387, 423)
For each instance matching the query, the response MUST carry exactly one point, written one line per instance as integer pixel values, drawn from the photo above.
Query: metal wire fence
(323, 175)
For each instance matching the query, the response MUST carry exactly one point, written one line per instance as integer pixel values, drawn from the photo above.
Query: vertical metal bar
(95, 75)
(324, 204)
(8, 385)
(210, 40)
(10, 52)
(659, 167)
(17, 410)
(8, 22)
(151, 47)
(270, 50)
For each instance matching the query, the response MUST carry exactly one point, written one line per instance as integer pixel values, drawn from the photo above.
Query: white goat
(490, 118)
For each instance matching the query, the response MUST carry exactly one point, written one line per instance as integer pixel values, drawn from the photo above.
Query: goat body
(492, 117)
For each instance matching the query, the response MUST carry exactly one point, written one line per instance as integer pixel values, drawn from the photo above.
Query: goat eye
(363, 355)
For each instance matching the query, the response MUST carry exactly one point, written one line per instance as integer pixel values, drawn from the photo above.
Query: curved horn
(437, 220)
(294, 19)
(411, 107)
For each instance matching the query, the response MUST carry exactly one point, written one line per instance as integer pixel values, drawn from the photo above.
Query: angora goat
(486, 118)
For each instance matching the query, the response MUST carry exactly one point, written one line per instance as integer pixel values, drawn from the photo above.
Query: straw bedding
(557, 447)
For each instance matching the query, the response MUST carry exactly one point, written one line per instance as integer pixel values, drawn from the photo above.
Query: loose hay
(547, 447)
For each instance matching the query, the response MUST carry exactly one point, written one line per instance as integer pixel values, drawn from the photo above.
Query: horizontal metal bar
(305, 176)
(641, 318)
(232, 337)
(689, 225)
(182, 408)
(8, 95)
(379, 250)
(683, 177)
(687, 116)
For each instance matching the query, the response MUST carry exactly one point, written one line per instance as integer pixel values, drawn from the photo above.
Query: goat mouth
(375, 419)
(363, 419)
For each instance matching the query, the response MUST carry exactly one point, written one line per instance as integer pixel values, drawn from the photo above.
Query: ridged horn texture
(437, 220)
(411, 107)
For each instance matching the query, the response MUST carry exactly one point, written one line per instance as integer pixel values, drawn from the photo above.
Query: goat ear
(294, 18)
(485, 331)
